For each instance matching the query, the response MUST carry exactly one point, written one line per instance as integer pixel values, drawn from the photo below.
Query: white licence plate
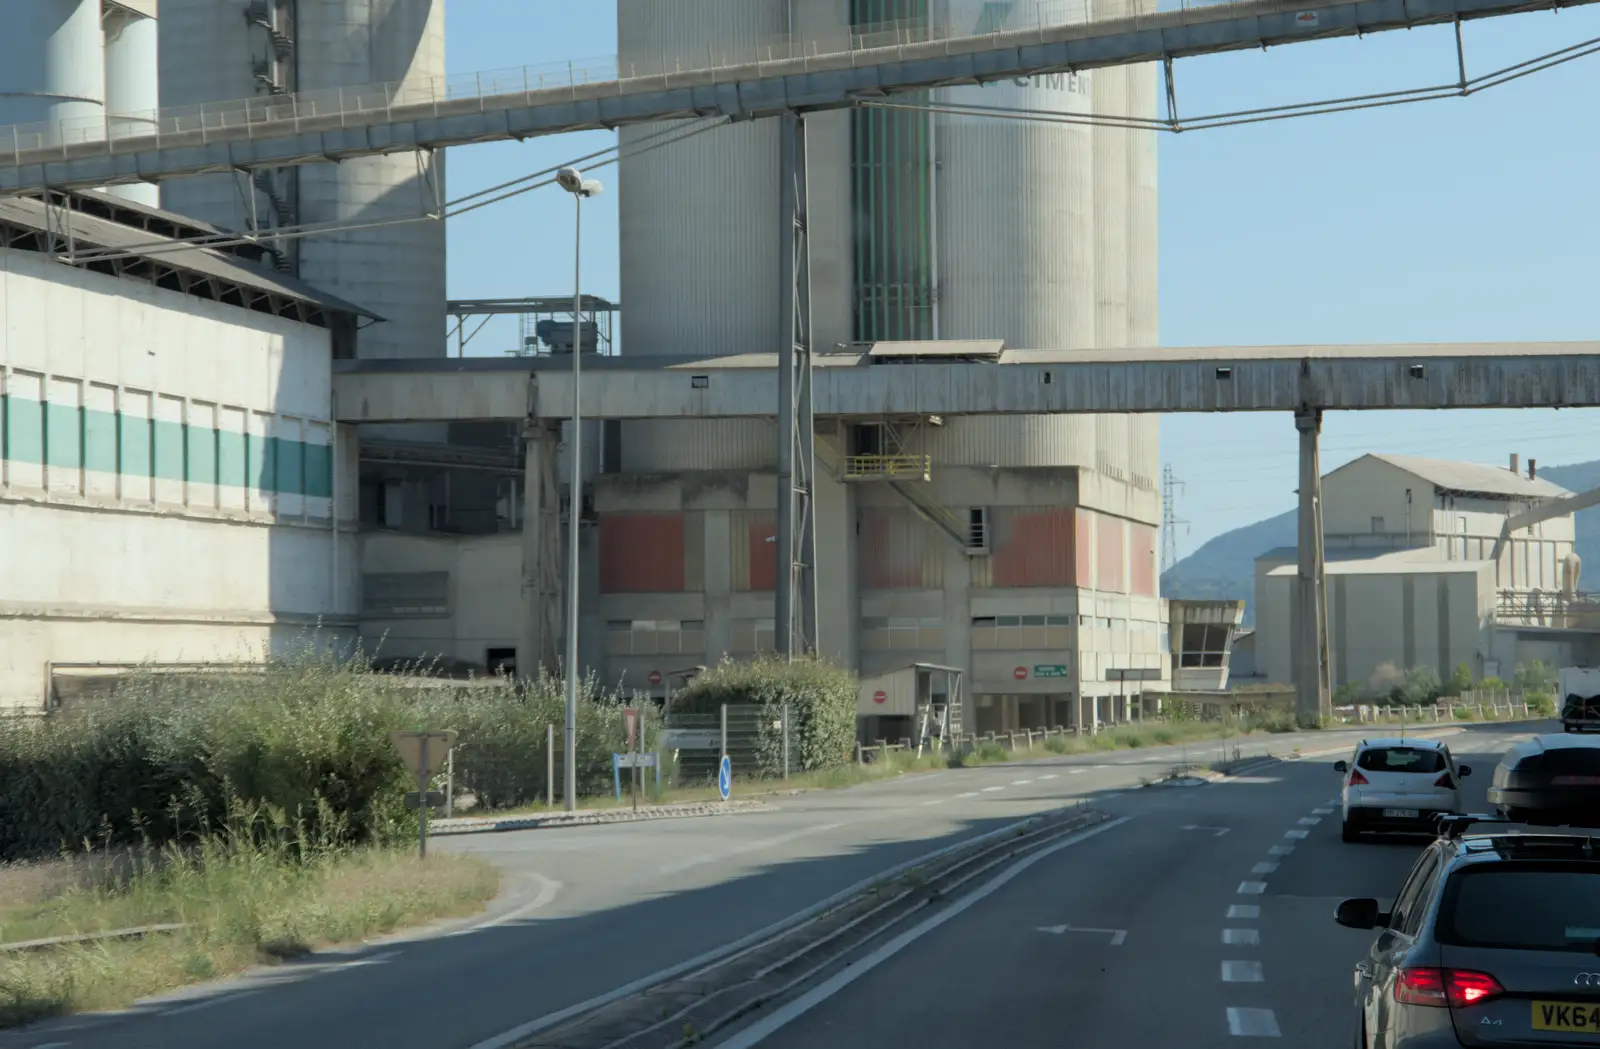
(1401, 814)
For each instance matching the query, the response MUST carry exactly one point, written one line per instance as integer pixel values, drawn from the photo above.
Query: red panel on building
(641, 553)
(1084, 520)
(1034, 548)
(891, 551)
(763, 554)
(1110, 538)
(1142, 559)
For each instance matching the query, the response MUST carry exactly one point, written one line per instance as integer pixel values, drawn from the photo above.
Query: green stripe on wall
(110, 442)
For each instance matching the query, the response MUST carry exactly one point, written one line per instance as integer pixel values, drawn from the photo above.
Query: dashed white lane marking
(1326, 810)
(1252, 888)
(990, 790)
(53, 1045)
(1280, 850)
(1244, 910)
(1076, 772)
(1263, 868)
(1242, 937)
(1297, 835)
(1051, 776)
(968, 794)
(1310, 821)
(1242, 972)
(1021, 782)
(934, 801)
(1253, 1023)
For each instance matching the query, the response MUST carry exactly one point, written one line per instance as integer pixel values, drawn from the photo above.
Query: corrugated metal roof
(93, 231)
(989, 349)
(1472, 477)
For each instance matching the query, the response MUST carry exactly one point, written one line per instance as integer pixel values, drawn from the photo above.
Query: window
(1401, 759)
(902, 633)
(751, 636)
(977, 530)
(652, 637)
(1411, 901)
(501, 661)
(1018, 633)
(1523, 906)
(1204, 645)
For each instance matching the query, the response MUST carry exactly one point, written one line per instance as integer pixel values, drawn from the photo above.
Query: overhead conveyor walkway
(785, 76)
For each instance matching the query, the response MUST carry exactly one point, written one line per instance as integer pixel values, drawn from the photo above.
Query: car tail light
(1456, 988)
(1444, 781)
(1357, 779)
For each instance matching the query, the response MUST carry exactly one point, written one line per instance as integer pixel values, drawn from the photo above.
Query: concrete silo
(224, 50)
(133, 80)
(923, 225)
(52, 66)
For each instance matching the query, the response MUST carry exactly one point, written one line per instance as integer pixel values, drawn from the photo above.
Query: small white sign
(636, 761)
(1307, 19)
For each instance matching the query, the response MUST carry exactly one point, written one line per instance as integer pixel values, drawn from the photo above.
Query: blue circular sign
(725, 777)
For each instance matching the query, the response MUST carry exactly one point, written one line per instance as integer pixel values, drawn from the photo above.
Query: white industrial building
(1411, 576)
(1020, 549)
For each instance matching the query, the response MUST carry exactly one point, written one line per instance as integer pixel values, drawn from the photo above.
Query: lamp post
(572, 180)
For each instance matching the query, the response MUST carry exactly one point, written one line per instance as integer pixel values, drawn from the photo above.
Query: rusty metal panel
(899, 551)
(1083, 530)
(753, 550)
(1142, 573)
(1034, 546)
(642, 553)
(1110, 554)
(694, 551)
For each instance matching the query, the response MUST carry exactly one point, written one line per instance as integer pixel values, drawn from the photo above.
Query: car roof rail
(1451, 826)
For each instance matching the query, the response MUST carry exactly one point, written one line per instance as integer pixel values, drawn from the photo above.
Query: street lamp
(572, 180)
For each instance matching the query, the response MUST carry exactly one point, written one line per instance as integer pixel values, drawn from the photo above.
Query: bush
(1462, 714)
(164, 759)
(1459, 682)
(1542, 704)
(821, 698)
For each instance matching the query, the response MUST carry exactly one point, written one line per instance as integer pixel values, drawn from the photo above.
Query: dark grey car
(1493, 940)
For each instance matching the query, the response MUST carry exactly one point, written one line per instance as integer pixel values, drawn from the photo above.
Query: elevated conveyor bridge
(784, 77)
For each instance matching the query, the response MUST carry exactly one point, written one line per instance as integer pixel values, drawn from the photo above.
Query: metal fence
(1475, 705)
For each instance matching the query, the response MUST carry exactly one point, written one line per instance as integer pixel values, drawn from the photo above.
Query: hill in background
(1225, 567)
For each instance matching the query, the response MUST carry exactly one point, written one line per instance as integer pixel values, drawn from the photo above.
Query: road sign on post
(725, 778)
(424, 754)
(630, 724)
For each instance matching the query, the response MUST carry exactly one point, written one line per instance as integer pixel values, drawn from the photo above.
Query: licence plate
(1401, 814)
(1565, 1016)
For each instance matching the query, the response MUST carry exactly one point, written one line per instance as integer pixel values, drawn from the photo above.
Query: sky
(1462, 220)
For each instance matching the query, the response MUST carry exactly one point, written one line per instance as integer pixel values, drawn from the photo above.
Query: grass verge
(1128, 737)
(245, 900)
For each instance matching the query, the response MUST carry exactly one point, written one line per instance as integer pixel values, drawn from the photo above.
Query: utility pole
(1169, 519)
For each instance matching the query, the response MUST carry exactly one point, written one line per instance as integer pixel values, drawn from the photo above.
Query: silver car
(1491, 942)
(1398, 785)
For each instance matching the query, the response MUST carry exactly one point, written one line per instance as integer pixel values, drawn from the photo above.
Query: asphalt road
(591, 909)
(1204, 919)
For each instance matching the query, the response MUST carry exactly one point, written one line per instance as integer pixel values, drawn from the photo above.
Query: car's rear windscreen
(1538, 906)
(1401, 759)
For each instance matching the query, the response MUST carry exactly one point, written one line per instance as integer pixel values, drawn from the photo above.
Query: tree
(1460, 681)
(1386, 680)
(1536, 678)
(1421, 685)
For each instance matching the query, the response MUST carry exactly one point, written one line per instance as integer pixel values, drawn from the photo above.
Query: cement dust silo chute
(133, 81)
(52, 66)
(214, 52)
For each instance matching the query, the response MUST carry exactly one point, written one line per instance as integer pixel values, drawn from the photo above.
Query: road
(1204, 920)
(592, 909)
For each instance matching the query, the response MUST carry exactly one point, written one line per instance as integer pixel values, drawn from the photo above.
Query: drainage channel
(690, 1008)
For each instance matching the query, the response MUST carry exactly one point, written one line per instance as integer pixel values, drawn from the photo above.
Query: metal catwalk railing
(275, 116)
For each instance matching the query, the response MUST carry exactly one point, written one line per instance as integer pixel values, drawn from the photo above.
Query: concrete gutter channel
(592, 817)
(685, 1005)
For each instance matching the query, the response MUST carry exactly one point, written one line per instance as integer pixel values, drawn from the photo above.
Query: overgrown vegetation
(821, 700)
(260, 888)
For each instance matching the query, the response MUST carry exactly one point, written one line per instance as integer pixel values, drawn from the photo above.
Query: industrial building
(1413, 576)
(1021, 549)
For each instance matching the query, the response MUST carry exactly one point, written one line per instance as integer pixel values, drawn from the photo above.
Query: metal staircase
(273, 76)
(833, 459)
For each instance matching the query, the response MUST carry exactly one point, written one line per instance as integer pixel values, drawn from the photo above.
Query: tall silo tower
(922, 225)
(225, 50)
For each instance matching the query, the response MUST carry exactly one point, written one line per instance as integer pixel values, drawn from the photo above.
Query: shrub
(821, 699)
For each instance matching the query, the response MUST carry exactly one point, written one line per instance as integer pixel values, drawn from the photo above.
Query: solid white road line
(1263, 868)
(1242, 937)
(777, 1020)
(1252, 888)
(209, 1002)
(1244, 910)
(1242, 972)
(1253, 1023)
(547, 892)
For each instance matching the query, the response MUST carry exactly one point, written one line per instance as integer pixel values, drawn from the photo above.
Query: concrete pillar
(1309, 651)
(540, 641)
(718, 585)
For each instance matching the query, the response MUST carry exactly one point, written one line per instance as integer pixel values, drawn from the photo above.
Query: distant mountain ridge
(1225, 567)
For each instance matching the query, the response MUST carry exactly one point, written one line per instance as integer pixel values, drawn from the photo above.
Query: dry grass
(244, 902)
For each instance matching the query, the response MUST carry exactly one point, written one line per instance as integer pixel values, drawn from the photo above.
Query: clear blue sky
(1459, 220)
